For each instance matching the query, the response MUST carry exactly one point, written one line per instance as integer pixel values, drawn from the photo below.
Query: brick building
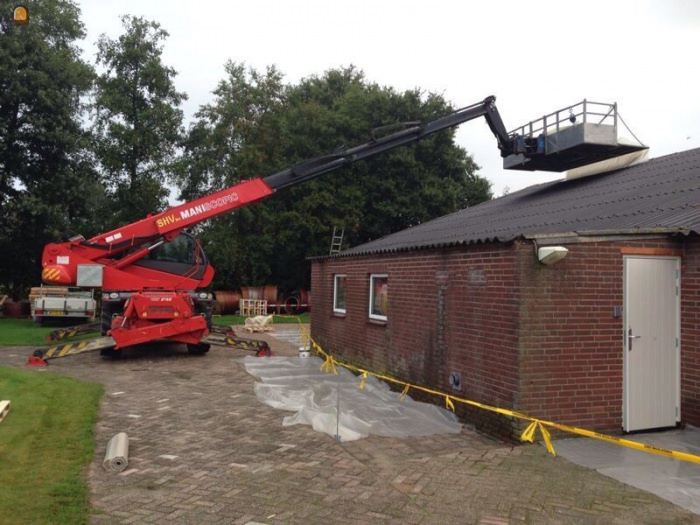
(607, 338)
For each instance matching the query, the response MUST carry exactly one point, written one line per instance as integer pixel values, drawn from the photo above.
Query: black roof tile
(661, 194)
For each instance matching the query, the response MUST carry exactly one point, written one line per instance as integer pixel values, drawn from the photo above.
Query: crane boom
(171, 221)
(412, 133)
(149, 270)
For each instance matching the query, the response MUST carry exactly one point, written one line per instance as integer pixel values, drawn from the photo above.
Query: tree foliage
(259, 125)
(138, 120)
(47, 185)
(58, 174)
(233, 138)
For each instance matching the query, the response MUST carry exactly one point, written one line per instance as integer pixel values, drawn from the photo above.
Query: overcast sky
(535, 57)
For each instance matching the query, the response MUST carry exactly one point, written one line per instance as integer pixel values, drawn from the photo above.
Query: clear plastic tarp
(316, 397)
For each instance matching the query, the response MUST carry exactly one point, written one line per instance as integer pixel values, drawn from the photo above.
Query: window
(181, 249)
(181, 256)
(378, 296)
(339, 293)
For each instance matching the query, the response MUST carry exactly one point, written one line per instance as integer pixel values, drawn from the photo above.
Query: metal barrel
(227, 301)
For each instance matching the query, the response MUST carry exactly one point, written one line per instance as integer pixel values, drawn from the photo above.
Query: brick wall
(690, 331)
(543, 340)
(449, 311)
(570, 341)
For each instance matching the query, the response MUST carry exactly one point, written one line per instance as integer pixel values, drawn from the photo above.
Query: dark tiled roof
(661, 194)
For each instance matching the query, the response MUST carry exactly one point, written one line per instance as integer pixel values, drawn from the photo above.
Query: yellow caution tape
(644, 447)
(329, 365)
(529, 435)
(362, 381)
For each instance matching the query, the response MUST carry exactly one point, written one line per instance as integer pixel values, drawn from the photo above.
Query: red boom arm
(116, 250)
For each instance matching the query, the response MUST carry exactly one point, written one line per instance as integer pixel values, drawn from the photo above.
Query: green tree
(234, 138)
(47, 185)
(138, 122)
(282, 125)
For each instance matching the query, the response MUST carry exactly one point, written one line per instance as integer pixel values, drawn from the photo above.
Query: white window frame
(372, 278)
(336, 279)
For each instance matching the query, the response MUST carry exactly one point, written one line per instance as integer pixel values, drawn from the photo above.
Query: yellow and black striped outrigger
(76, 347)
(218, 336)
(72, 331)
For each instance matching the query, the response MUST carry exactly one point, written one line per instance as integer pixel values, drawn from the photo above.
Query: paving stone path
(204, 450)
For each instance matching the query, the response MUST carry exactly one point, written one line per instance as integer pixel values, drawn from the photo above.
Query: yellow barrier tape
(528, 434)
(329, 366)
(644, 447)
(362, 381)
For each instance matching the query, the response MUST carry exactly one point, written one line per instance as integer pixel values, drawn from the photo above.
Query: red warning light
(20, 15)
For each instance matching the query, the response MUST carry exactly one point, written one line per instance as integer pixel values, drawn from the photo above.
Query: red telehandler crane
(152, 271)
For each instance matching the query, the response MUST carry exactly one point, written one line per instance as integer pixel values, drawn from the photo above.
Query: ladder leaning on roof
(337, 240)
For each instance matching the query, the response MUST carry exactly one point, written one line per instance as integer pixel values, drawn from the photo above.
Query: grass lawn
(46, 443)
(14, 331)
(23, 332)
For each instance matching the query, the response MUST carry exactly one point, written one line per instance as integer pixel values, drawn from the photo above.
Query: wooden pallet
(252, 307)
(4, 409)
(259, 323)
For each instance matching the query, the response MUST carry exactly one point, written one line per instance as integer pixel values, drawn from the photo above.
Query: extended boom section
(412, 132)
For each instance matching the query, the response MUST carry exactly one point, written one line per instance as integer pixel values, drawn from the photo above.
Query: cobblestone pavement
(204, 450)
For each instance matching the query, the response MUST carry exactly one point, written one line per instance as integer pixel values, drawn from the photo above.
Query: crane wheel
(106, 313)
(198, 349)
(113, 353)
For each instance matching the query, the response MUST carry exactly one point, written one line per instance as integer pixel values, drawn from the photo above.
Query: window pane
(339, 294)
(379, 296)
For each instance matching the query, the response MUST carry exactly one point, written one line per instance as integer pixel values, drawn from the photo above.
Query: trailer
(62, 303)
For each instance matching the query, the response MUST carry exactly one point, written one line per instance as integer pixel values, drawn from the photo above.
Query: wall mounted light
(551, 254)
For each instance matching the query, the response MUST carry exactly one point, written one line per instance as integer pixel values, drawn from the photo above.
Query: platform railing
(582, 112)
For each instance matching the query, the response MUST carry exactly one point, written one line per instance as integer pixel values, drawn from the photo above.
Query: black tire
(204, 308)
(198, 349)
(208, 315)
(106, 317)
(111, 353)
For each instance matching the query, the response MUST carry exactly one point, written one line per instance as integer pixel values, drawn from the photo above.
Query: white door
(651, 342)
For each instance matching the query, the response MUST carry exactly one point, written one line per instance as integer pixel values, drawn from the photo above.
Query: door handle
(630, 337)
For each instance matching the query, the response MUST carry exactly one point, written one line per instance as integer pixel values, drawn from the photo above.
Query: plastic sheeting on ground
(298, 385)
